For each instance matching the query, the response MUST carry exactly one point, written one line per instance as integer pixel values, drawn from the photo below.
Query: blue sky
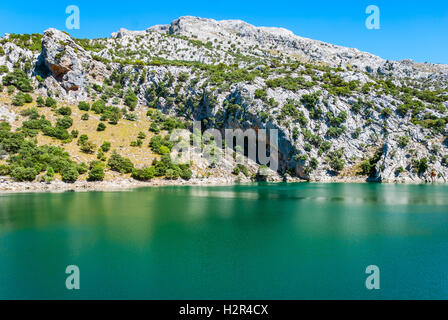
(411, 29)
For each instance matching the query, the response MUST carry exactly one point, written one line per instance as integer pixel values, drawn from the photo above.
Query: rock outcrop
(68, 63)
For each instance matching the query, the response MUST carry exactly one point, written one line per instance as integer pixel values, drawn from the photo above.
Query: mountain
(342, 114)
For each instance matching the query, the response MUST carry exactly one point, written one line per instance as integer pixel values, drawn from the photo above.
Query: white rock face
(6, 114)
(67, 63)
(284, 40)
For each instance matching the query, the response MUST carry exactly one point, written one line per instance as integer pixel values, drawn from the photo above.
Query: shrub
(83, 138)
(27, 97)
(336, 121)
(164, 150)
(96, 172)
(172, 174)
(26, 159)
(64, 111)
(75, 133)
(314, 163)
(49, 175)
(445, 161)
(88, 147)
(386, 112)
(141, 135)
(130, 100)
(336, 160)
(131, 116)
(334, 132)
(399, 170)
(325, 146)
(162, 165)
(421, 166)
(82, 168)
(160, 145)
(356, 133)
(98, 106)
(185, 173)
(18, 100)
(120, 164)
(70, 174)
(403, 141)
(83, 106)
(143, 174)
(4, 170)
(85, 117)
(101, 156)
(240, 168)
(171, 123)
(50, 102)
(368, 167)
(56, 132)
(154, 128)
(310, 100)
(24, 174)
(40, 102)
(3, 68)
(101, 127)
(105, 147)
(65, 122)
(260, 94)
(137, 143)
(18, 79)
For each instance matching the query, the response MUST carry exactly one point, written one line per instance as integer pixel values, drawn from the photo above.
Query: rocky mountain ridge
(341, 113)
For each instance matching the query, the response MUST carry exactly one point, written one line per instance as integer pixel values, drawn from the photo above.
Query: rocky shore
(9, 186)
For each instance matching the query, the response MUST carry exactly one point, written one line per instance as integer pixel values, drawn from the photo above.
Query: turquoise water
(296, 241)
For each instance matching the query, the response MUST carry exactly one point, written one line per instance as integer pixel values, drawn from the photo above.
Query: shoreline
(111, 185)
(10, 187)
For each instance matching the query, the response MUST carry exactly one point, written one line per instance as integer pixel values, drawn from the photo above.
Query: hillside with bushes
(103, 109)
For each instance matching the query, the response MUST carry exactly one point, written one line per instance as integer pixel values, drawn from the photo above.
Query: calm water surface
(296, 241)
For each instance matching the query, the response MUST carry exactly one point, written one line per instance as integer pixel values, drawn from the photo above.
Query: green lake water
(284, 241)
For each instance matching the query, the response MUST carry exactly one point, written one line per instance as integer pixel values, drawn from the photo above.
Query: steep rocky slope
(342, 114)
